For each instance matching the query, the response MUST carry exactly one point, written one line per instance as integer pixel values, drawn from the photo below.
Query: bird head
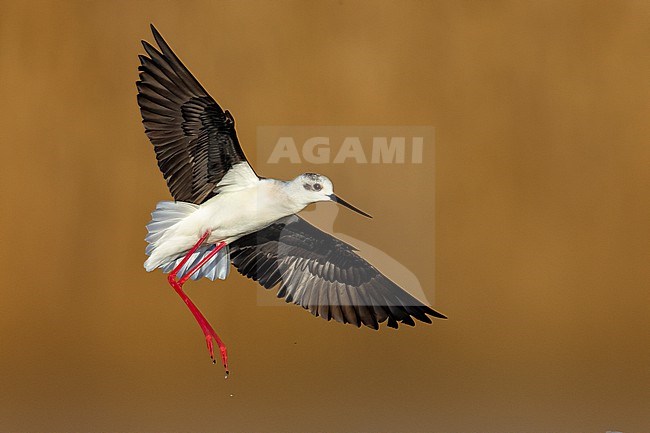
(311, 188)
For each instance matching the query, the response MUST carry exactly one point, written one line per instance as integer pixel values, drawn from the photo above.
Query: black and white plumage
(324, 275)
(214, 188)
(194, 139)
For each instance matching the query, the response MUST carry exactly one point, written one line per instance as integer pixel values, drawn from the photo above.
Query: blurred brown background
(541, 218)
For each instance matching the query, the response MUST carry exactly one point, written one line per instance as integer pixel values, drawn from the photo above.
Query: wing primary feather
(323, 300)
(194, 140)
(183, 73)
(335, 303)
(326, 276)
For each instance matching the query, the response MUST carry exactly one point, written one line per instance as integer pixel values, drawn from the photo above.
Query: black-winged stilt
(224, 213)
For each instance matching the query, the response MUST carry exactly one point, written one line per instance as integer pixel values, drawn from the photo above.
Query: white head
(311, 188)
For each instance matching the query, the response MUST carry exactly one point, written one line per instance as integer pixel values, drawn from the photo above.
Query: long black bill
(340, 201)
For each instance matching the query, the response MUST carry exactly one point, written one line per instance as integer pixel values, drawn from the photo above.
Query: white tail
(166, 215)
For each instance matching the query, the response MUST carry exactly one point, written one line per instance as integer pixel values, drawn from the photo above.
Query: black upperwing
(194, 139)
(324, 275)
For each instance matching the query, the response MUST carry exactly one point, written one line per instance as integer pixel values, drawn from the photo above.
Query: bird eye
(318, 186)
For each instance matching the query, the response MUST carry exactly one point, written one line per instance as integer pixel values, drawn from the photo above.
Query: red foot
(222, 349)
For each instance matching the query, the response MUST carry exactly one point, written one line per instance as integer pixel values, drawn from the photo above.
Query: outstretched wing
(324, 275)
(194, 139)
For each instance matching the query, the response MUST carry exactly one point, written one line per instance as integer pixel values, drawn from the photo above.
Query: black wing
(194, 139)
(324, 275)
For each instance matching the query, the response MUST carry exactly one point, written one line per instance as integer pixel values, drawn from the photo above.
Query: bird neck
(293, 196)
(285, 200)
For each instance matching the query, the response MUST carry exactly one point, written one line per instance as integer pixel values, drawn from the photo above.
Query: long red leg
(207, 329)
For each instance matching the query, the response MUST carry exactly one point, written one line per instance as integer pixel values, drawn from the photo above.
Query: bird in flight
(224, 213)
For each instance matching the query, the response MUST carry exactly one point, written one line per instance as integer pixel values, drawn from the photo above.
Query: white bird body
(244, 204)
